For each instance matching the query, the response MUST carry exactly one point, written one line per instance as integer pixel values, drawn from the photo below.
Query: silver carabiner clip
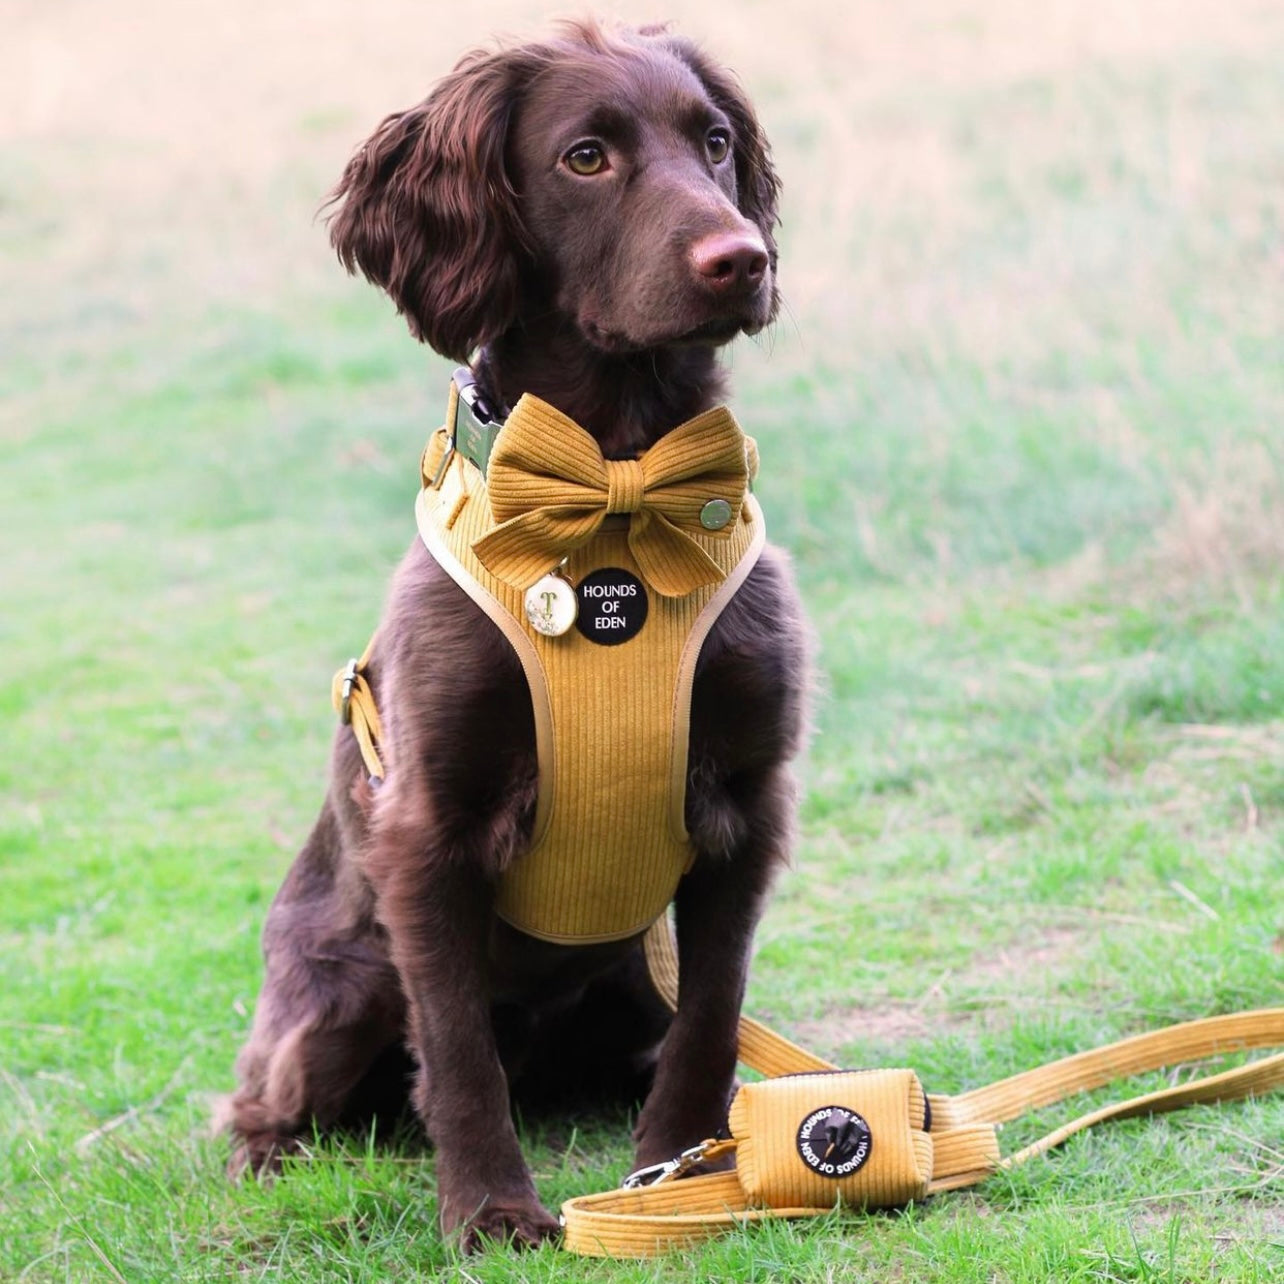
(654, 1174)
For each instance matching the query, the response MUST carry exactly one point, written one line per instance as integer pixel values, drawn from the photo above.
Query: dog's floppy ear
(757, 184)
(427, 212)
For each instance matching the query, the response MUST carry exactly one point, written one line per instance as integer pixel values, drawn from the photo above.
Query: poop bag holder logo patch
(834, 1141)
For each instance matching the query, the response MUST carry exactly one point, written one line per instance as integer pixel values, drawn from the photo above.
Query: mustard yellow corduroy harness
(652, 550)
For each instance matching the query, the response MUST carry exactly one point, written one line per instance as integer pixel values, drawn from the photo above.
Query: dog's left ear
(757, 184)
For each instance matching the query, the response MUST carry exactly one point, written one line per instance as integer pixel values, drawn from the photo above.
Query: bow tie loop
(550, 489)
(625, 485)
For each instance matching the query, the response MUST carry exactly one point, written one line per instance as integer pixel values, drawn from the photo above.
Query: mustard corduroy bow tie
(550, 490)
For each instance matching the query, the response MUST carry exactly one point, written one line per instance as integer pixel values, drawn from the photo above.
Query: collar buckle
(472, 434)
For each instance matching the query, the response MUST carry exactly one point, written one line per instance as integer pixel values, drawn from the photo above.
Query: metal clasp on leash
(345, 694)
(654, 1174)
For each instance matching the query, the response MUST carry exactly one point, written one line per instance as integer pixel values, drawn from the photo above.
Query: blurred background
(1022, 424)
(1062, 221)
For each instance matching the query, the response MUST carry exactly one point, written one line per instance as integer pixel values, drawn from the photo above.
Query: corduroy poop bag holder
(808, 1141)
(812, 1140)
(803, 1143)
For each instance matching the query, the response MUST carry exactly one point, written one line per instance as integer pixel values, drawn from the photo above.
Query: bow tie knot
(625, 485)
(550, 490)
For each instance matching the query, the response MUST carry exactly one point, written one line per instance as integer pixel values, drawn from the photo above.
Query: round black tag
(612, 606)
(834, 1141)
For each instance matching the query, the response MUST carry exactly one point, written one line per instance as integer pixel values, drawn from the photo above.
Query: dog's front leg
(717, 908)
(437, 909)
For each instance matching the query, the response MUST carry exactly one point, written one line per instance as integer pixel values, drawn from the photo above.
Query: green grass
(1021, 431)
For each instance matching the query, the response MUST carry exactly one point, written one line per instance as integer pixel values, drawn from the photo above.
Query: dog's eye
(718, 142)
(586, 159)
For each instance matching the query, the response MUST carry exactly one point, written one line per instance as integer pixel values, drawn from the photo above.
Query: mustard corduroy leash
(812, 1136)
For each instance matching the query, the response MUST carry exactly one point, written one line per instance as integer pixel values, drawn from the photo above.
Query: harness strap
(963, 1145)
(354, 702)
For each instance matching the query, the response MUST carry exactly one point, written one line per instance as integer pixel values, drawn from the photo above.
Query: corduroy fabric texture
(550, 490)
(765, 1119)
(612, 722)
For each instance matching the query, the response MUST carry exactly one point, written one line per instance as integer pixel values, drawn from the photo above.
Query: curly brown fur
(607, 295)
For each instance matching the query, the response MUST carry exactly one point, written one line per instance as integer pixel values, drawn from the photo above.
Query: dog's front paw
(259, 1155)
(525, 1225)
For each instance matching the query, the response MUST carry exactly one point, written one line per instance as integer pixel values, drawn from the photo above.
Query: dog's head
(619, 179)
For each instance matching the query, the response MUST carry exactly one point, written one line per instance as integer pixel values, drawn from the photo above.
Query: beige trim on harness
(681, 735)
(520, 641)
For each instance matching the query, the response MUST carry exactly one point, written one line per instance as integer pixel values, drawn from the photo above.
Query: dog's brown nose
(729, 261)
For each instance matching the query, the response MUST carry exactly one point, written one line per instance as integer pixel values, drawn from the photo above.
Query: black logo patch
(834, 1142)
(613, 606)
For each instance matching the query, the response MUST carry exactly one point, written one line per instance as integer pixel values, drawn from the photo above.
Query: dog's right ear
(427, 212)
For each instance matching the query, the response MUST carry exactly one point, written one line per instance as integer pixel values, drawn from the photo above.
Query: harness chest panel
(609, 843)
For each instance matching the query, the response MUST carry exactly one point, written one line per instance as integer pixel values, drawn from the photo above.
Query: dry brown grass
(1227, 527)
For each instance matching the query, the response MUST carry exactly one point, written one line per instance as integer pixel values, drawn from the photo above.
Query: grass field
(1022, 426)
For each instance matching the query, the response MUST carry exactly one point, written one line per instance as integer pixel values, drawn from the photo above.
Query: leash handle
(1190, 1041)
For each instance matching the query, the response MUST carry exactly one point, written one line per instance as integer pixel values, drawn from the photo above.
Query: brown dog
(595, 215)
